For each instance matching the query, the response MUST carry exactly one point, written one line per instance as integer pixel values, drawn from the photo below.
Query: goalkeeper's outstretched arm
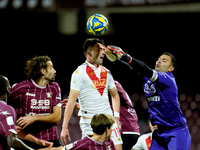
(130, 63)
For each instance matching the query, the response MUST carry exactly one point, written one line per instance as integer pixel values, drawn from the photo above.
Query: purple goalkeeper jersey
(7, 124)
(87, 143)
(128, 116)
(161, 95)
(32, 99)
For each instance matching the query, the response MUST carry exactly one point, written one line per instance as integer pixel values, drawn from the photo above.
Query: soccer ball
(97, 24)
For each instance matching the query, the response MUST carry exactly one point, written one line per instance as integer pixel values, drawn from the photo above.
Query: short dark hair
(34, 65)
(174, 62)
(91, 42)
(100, 122)
(3, 85)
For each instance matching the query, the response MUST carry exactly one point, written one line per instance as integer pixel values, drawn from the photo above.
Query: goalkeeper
(161, 91)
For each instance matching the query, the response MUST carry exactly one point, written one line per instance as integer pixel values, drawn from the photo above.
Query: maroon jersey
(7, 124)
(128, 116)
(32, 99)
(88, 143)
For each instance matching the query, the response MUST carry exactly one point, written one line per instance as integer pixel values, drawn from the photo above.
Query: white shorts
(87, 130)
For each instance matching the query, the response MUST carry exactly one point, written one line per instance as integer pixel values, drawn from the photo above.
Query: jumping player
(38, 101)
(102, 127)
(90, 83)
(161, 92)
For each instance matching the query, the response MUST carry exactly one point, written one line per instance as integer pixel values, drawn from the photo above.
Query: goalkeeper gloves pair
(114, 52)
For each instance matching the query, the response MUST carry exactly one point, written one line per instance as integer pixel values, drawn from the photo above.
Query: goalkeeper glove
(110, 55)
(117, 51)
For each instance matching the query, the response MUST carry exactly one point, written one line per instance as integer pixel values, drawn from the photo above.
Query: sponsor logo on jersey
(149, 88)
(40, 104)
(29, 94)
(131, 111)
(99, 83)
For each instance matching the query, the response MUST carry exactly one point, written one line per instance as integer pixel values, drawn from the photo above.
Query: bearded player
(161, 92)
(90, 83)
(38, 101)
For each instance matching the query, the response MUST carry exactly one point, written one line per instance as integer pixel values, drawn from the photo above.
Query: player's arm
(14, 141)
(116, 105)
(54, 117)
(129, 62)
(22, 135)
(67, 115)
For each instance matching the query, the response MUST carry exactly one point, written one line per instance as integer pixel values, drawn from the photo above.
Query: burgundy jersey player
(128, 117)
(8, 132)
(38, 100)
(102, 127)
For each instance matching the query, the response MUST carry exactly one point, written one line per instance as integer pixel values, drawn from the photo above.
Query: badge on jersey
(10, 121)
(49, 95)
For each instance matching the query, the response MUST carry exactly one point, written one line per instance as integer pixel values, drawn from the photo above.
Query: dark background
(25, 33)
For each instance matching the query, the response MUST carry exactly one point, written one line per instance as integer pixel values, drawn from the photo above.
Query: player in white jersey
(90, 83)
(144, 141)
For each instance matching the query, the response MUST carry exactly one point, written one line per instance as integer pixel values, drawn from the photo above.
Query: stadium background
(143, 28)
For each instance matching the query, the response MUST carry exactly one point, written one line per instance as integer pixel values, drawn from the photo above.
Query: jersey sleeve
(76, 81)
(161, 77)
(8, 119)
(15, 95)
(58, 95)
(111, 84)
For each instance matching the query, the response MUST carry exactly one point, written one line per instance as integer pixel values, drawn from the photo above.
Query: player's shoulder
(7, 109)
(54, 84)
(106, 69)
(165, 74)
(80, 144)
(22, 84)
(80, 69)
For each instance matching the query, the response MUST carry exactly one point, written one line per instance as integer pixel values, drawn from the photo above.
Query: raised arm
(119, 56)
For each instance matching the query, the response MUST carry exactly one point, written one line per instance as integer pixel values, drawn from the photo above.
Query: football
(97, 24)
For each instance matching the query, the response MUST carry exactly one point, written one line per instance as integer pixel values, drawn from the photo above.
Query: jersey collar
(42, 87)
(91, 65)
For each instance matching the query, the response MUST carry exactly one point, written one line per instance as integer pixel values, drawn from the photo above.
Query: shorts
(87, 130)
(174, 139)
(129, 140)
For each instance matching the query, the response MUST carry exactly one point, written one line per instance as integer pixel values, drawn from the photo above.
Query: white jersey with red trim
(93, 85)
(144, 142)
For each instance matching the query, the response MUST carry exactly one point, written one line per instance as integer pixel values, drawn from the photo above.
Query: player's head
(102, 124)
(40, 67)
(4, 88)
(94, 51)
(165, 63)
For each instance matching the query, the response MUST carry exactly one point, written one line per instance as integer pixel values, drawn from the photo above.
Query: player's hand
(65, 101)
(44, 143)
(119, 53)
(63, 134)
(116, 50)
(23, 122)
(110, 55)
(118, 122)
